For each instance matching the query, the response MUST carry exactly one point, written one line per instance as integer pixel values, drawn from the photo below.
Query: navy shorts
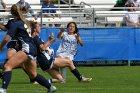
(44, 63)
(13, 45)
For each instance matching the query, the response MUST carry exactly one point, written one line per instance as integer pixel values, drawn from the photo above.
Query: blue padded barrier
(99, 43)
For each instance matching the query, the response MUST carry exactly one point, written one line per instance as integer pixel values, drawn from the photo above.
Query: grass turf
(115, 79)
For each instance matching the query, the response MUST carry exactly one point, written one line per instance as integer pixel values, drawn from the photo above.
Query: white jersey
(133, 17)
(68, 46)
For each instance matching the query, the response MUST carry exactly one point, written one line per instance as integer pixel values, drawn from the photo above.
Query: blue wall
(100, 43)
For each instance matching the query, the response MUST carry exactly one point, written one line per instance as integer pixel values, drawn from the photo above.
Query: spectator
(48, 4)
(25, 7)
(2, 6)
(136, 2)
(131, 18)
(119, 3)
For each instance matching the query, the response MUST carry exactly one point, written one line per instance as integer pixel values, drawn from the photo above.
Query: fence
(99, 43)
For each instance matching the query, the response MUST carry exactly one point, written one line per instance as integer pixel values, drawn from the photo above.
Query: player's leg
(63, 62)
(30, 67)
(13, 62)
(56, 76)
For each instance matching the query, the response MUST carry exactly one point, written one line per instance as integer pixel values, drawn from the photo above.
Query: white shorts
(66, 55)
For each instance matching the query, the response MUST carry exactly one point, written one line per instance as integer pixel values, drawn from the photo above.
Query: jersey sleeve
(12, 28)
(38, 41)
(8, 23)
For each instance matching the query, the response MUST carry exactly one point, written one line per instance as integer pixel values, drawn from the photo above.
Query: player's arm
(61, 33)
(51, 40)
(4, 41)
(79, 40)
(3, 27)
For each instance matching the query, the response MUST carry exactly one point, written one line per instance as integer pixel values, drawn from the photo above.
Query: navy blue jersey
(8, 23)
(13, 43)
(38, 41)
(44, 60)
(17, 29)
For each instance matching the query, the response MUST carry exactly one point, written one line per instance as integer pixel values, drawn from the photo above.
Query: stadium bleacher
(93, 9)
(35, 2)
(36, 6)
(96, 3)
(46, 21)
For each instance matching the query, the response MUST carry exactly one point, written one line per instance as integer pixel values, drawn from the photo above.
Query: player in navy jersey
(19, 28)
(47, 63)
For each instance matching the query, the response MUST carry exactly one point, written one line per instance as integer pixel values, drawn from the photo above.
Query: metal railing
(78, 14)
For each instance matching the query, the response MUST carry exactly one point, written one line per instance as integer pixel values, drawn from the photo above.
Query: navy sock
(6, 78)
(42, 81)
(77, 74)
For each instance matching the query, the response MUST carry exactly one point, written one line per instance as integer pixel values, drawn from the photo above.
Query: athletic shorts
(66, 55)
(44, 63)
(30, 49)
(13, 45)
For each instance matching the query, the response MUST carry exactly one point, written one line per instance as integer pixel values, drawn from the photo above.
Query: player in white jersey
(69, 42)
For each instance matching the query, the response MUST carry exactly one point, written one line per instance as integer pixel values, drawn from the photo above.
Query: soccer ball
(50, 51)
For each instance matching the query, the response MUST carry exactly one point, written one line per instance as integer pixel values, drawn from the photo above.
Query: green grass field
(108, 79)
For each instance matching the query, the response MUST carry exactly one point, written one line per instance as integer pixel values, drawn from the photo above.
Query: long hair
(15, 11)
(76, 29)
(33, 25)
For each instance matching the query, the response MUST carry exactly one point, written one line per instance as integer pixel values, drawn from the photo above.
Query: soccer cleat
(35, 82)
(2, 90)
(84, 79)
(52, 89)
(32, 81)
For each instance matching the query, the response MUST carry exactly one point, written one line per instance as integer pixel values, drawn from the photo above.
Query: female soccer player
(69, 41)
(20, 29)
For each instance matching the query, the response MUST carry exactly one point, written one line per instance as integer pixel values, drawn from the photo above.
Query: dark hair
(76, 29)
(33, 25)
(131, 5)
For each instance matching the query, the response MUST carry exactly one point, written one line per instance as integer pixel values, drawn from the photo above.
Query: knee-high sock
(77, 74)
(42, 81)
(6, 78)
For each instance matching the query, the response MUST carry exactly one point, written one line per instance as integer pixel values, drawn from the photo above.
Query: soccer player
(19, 28)
(69, 41)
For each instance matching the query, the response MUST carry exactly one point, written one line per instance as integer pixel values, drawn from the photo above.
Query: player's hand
(51, 36)
(62, 28)
(53, 40)
(77, 36)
